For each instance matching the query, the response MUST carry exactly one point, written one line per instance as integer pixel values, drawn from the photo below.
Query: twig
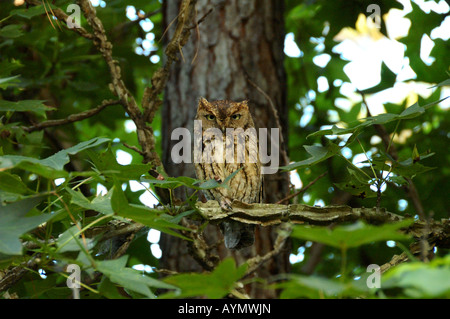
(199, 249)
(276, 117)
(130, 228)
(201, 19)
(72, 118)
(391, 149)
(396, 260)
(134, 148)
(197, 31)
(126, 25)
(165, 271)
(302, 190)
(415, 249)
(283, 234)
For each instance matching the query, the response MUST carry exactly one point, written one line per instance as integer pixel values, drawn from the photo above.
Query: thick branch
(105, 48)
(13, 275)
(271, 214)
(150, 100)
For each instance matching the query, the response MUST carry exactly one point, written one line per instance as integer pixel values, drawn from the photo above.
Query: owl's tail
(237, 235)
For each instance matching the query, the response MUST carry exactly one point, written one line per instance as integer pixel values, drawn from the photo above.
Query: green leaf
(405, 169)
(353, 235)
(101, 204)
(443, 83)
(109, 290)
(30, 12)
(420, 280)
(35, 106)
(214, 285)
(9, 65)
(357, 184)
(334, 130)
(319, 154)
(67, 241)
(51, 167)
(410, 167)
(174, 182)
(11, 31)
(14, 223)
(168, 182)
(398, 180)
(315, 287)
(11, 81)
(152, 218)
(61, 158)
(129, 278)
(412, 111)
(13, 184)
(106, 163)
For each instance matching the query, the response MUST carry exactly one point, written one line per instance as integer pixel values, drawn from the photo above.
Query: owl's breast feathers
(246, 185)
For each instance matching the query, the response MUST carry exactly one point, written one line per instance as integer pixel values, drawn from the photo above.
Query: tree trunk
(237, 41)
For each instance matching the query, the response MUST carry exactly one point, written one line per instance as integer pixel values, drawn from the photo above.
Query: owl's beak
(224, 124)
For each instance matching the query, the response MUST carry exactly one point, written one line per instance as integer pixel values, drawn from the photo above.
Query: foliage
(51, 180)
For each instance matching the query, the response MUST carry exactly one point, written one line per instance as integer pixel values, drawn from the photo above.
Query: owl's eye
(210, 117)
(236, 116)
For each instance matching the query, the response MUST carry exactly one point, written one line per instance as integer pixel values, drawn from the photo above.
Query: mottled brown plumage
(224, 152)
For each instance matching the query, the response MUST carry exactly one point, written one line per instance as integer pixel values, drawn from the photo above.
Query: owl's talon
(225, 204)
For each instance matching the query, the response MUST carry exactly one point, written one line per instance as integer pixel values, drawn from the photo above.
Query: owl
(229, 145)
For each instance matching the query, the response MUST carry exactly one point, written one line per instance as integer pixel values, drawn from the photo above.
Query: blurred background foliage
(379, 70)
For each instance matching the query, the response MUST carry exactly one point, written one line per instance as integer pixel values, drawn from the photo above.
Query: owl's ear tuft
(202, 102)
(244, 103)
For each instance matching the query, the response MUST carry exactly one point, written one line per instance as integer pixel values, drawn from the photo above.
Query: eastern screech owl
(229, 143)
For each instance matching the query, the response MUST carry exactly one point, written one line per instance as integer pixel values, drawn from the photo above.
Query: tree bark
(237, 41)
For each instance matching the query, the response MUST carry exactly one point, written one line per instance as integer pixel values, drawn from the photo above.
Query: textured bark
(237, 39)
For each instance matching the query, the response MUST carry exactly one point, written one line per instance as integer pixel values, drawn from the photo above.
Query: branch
(105, 47)
(14, 274)
(125, 25)
(303, 189)
(150, 100)
(62, 16)
(201, 19)
(415, 250)
(255, 262)
(430, 233)
(436, 233)
(71, 118)
(272, 214)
